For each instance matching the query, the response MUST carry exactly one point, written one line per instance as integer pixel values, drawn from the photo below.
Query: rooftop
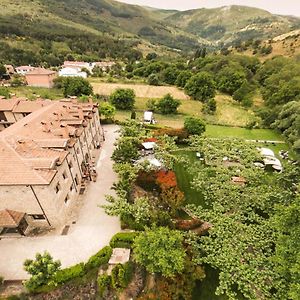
(40, 71)
(27, 148)
(10, 218)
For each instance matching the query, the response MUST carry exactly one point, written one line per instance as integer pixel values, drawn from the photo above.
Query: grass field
(35, 92)
(228, 113)
(141, 90)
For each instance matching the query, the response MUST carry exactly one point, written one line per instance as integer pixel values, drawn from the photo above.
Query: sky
(283, 7)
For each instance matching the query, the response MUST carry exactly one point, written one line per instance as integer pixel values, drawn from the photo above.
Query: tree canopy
(123, 99)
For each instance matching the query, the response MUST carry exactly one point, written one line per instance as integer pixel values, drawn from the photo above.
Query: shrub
(107, 110)
(100, 258)
(123, 99)
(121, 275)
(210, 106)
(151, 105)
(123, 240)
(168, 105)
(194, 126)
(180, 134)
(4, 91)
(153, 79)
(74, 86)
(104, 283)
(67, 274)
(1, 280)
(42, 269)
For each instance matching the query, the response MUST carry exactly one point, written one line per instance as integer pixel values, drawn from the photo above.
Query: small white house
(72, 72)
(23, 70)
(149, 117)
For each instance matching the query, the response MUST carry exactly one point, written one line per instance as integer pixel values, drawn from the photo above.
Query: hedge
(100, 258)
(64, 275)
(104, 282)
(123, 240)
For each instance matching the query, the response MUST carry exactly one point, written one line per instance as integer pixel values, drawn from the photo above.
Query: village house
(46, 160)
(23, 70)
(72, 72)
(40, 77)
(104, 65)
(79, 65)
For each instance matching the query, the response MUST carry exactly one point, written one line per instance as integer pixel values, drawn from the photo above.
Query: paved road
(92, 231)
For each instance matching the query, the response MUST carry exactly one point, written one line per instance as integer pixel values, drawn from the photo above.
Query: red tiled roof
(10, 218)
(41, 71)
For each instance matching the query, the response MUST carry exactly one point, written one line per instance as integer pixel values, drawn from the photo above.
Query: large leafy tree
(126, 150)
(76, 86)
(201, 86)
(168, 105)
(160, 250)
(42, 269)
(194, 126)
(123, 99)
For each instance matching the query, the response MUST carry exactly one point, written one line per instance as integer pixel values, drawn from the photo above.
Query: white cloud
(287, 7)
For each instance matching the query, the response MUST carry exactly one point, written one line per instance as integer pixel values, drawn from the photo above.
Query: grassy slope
(254, 21)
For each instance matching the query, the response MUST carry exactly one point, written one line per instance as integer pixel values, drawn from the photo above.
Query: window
(77, 150)
(2, 116)
(38, 217)
(76, 180)
(67, 199)
(70, 165)
(65, 176)
(57, 188)
(71, 187)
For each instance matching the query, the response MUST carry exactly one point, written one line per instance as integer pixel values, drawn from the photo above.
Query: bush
(4, 92)
(180, 134)
(168, 105)
(1, 280)
(100, 258)
(153, 80)
(104, 282)
(123, 99)
(151, 105)
(107, 110)
(123, 240)
(121, 275)
(210, 106)
(194, 126)
(67, 274)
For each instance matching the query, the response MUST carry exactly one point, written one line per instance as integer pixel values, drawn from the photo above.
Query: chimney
(46, 127)
(80, 113)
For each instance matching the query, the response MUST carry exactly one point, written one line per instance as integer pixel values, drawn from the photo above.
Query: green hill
(49, 31)
(232, 23)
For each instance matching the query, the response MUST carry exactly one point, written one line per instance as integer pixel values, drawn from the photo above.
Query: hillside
(231, 23)
(49, 31)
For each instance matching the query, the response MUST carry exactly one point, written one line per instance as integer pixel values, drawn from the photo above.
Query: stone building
(46, 158)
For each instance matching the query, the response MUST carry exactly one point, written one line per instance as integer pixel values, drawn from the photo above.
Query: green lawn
(33, 92)
(248, 134)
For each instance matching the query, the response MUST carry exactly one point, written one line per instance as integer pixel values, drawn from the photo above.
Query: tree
(245, 91)
(229, 80)
(4, 91)
(76, 86)
(123, 99)
(160, 250)
(287, 251)
(168, 105)
(2, 71)
(169, 75)
(182, 78)
(153, 79)
(42, 269)
(107, 110)
(194, 126)
(201, 86)
(126, 150)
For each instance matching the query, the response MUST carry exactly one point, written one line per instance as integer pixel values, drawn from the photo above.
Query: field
(35, 92)
(141, 90)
